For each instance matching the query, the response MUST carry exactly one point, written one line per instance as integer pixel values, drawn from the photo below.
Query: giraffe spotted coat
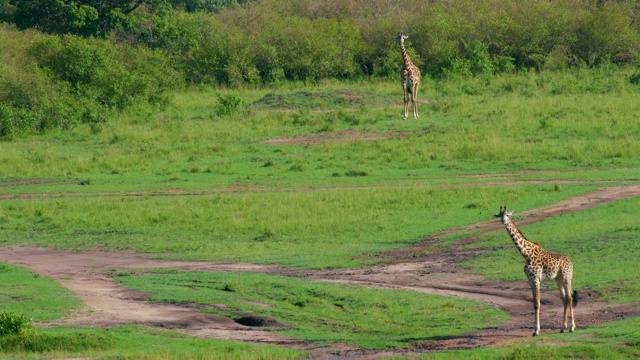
(541, 265)
(410, 80)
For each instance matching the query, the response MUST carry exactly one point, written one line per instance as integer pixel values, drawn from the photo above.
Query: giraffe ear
(509, 213)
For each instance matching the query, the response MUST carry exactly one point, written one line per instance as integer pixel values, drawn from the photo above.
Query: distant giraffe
(410, 80)
(540, 265)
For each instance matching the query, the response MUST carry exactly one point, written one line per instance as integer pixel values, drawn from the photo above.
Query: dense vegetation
(100, 56)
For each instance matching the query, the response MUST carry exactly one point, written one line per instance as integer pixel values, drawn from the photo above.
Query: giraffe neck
(405, 57)
(524, 246)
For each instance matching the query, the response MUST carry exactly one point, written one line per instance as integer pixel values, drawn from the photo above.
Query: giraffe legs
(410, 89)
(567, 301)
(406, 103)
(414, 100)
(572, 303)
(406, 88)
(534, 283)
(566, 294)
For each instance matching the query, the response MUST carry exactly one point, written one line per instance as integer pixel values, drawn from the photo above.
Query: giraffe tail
(575, 298)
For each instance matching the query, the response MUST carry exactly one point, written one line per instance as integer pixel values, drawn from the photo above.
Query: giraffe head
(401, 38)
(503, 215)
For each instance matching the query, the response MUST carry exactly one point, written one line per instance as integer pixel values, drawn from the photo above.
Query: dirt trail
(421, 268)
(88, 276)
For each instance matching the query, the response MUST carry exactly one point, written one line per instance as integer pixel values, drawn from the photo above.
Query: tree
(80, 17)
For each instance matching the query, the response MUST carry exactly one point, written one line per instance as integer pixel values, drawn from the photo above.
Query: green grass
(138, 342)
(459, 134)
(614, 340)
(301, 228)
(24, 292)
(323, 312)
(343, 99)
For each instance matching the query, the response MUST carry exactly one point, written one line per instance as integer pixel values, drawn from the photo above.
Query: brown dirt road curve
(419, 268)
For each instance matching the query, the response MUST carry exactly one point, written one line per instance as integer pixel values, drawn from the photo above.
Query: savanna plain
(305, 178)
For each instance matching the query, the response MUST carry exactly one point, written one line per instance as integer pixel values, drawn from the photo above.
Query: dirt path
(421, 267)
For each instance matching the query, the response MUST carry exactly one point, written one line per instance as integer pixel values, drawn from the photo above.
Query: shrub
(604, 34)
(524, 34)
(202, 5)
(223, 56)
(311, 50)
(49, 82)
(29, 100)
(635, 78)
(12, 324)
(273, 40)
(114, 76)
(228, 104)
(16, 331)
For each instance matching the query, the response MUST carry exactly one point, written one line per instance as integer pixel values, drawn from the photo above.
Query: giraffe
(410, 79)
(540, 265)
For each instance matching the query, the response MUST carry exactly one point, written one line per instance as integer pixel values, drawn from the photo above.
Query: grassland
(324, 313)
(50, 301)
(187, 182)
(311, 229)
(136, 342)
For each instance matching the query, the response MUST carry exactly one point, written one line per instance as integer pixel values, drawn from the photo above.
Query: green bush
(80, 17)
(202, 5)
(29, 100)
(49, 82)
(13, 324)
(266, 42)
(16, 332)
(222, 57)
(524, 34)
(309, 50)
(228, 104)
(605, 34)
(110, 75)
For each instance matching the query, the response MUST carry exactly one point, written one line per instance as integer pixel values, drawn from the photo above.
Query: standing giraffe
(540, 265)
(410, 80)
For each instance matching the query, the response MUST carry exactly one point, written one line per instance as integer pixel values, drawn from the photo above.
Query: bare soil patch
(422, 267)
